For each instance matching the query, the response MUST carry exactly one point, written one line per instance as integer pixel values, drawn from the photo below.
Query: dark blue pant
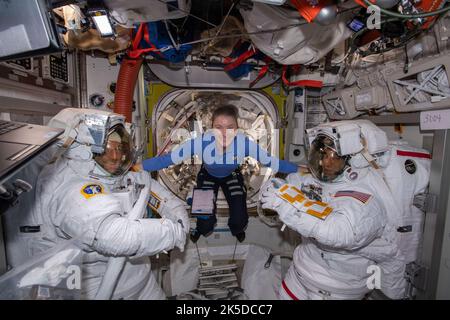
(236, 195)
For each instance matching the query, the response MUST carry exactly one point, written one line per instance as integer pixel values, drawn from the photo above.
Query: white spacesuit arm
(344, 222)
(350, 226)
(102, 227)
(119, 236)
(168, 205)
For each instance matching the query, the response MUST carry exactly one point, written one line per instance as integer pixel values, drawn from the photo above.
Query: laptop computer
(19, 142)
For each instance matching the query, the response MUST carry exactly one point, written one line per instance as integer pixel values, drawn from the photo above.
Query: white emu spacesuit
(88, 193)
(355, 213)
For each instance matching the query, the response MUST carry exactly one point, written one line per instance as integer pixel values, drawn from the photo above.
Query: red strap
(137, 37)
(289, 292)
(306, 10)
(413, 154)
(300, 83)
(135, 52)
(227, 60)
(147, 36)
(262, 72)
(363, 4)
(147, 39)
(239, 60)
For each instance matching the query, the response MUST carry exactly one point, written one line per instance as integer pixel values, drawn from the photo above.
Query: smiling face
(225, 128)
(225, 124)
(325, 163)
(113, 157)
(118, 155)
(332, 163)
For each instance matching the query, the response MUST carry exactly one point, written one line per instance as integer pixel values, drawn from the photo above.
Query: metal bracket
(416, 276)
(9, 195)
(427, 202)
(282, 123)
(421, 87)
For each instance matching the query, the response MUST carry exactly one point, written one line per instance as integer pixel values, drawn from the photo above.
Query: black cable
(408, 16)
(188, 13)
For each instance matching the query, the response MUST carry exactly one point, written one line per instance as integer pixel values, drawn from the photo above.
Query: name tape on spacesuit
(298, 199)
(154, 201)
(91, 190)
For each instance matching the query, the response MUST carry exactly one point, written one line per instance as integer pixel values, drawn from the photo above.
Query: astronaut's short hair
(225, 110)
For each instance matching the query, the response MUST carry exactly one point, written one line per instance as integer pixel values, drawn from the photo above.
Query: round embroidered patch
(353, 176)
(410, 166)
(91, 190)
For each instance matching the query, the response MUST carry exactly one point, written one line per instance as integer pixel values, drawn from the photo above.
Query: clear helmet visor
(118, 156)
(324, 162)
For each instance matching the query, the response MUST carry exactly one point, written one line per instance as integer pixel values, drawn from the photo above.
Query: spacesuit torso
(354, 212)
(373, 223)
(71, 204)
(329, 260)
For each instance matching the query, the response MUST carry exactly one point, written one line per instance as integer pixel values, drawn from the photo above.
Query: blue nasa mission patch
(91, 190)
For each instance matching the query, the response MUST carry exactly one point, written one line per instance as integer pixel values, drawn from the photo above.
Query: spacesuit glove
(289, 215)
(174, 210)
(271, 201)
(181, 218)
(277, 193)
(179, 215)
(181, 236)
(169, 206)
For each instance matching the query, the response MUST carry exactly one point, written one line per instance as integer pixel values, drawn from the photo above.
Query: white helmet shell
(351, 138)
(97, 135)
(86, 126)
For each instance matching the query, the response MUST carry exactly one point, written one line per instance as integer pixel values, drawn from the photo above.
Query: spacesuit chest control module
(355, 213)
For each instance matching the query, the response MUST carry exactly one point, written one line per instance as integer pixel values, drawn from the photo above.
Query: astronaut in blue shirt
(221, 151)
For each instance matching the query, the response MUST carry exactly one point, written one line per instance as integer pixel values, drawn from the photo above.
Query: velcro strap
(239, 60)
(300, 83)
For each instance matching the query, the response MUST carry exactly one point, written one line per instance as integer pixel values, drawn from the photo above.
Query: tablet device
(202, 202)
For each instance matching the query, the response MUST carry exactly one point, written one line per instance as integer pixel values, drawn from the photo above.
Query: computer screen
(27, 29)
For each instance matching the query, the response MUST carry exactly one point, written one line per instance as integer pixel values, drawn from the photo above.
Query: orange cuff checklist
(298, 199)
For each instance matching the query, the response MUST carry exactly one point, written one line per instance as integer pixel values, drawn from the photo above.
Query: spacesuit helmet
(101, 140)
(324, 160)
(118, 156)
(335, 146)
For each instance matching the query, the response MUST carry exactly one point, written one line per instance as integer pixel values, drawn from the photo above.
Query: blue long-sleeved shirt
(219, 164)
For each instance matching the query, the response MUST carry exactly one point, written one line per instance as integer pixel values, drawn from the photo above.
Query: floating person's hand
(137, 167)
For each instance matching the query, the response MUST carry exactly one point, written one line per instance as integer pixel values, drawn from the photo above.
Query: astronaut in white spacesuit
(89, 193)
(353, 217)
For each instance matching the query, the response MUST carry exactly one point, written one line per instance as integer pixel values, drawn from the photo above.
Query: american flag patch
(360, 196)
